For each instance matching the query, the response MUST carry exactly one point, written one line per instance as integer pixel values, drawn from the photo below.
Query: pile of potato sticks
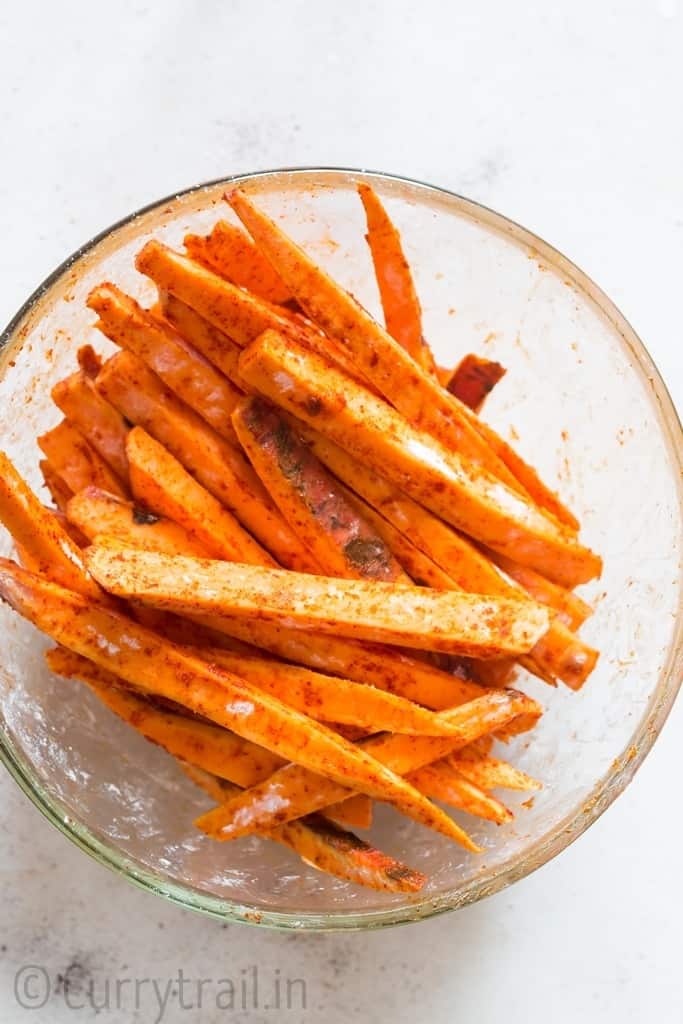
(284, 546)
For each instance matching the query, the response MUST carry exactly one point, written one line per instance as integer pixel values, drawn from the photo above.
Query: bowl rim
(606, 789)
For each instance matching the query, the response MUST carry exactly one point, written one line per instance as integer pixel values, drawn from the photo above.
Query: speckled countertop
(567, 120)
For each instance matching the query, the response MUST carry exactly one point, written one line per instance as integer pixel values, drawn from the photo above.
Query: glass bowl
(582, 400)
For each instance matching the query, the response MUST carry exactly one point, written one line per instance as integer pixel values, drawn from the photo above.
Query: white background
(568, 121)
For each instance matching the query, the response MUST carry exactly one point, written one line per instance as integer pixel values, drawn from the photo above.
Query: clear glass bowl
(581, 399)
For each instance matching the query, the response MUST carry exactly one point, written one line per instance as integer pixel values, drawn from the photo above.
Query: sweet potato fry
(223, 470)
(356, 812)
(322, 396)
(97, 513)
(59, 490)
(326, 847)
(216, 750)
(310, 499)
(332, 699)
(38, 532)
(184, 370)
(560, 654)
(490, 772)
(215, 345)
(420, 568)
(292, 791)
(571, 609)
(229, 252)
(473, 379)
(156, 666)
(99, 422)
(89, 361)
(441, 781)
(449, 621)
(163, 485)
(235, 312)
(382, 361)
(199, 744)
(76, 461)
(402, 312)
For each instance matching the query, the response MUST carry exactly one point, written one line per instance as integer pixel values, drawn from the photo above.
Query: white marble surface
(566, 120)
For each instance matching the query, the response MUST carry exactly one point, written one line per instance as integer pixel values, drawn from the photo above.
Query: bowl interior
(580, 400)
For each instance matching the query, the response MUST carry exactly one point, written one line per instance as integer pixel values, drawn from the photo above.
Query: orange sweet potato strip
(160, 483)
(330, 849)
(99, 422)
(76, 461)
(420, 568)
(228, 251)
(152, 664)
(449, 621)
(184, 370)
(310, 499)
(332, 699)
(402, 312)
(490, 772)
(473, 379)
(571, 609)
(441, 781)
(292, 792)
(97, 513)
(235, 312)
(381, 360)
(223, 470)
(560, 654)
(321, 395)
(214, 344)
(356, 812)
(37, 531)
(58, 489)
(203, 748)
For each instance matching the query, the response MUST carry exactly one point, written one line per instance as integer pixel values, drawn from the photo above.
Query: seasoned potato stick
(449, 621)
(215, 345)
(440, 781)
(89, 361)
(38, 532)
(310, 499)
(322, 396)
(570, 608)
(156, 666)
(163, 485)
(77, 536)
(381, 360)
(420, 568)
(216, 750)
(559, 653)
(292, 792)
(331, 699)
(490, 772)
(76, 461)
(459, 558)
(184, 370)
(59, 490)
(228, 251)
(201, 744)
(402, 312)
(356, 812)
(473, 379)
(327, 848)
(223, 470)
(97, 513)
(99, 422)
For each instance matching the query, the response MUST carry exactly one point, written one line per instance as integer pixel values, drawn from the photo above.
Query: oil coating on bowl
(582, 401)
